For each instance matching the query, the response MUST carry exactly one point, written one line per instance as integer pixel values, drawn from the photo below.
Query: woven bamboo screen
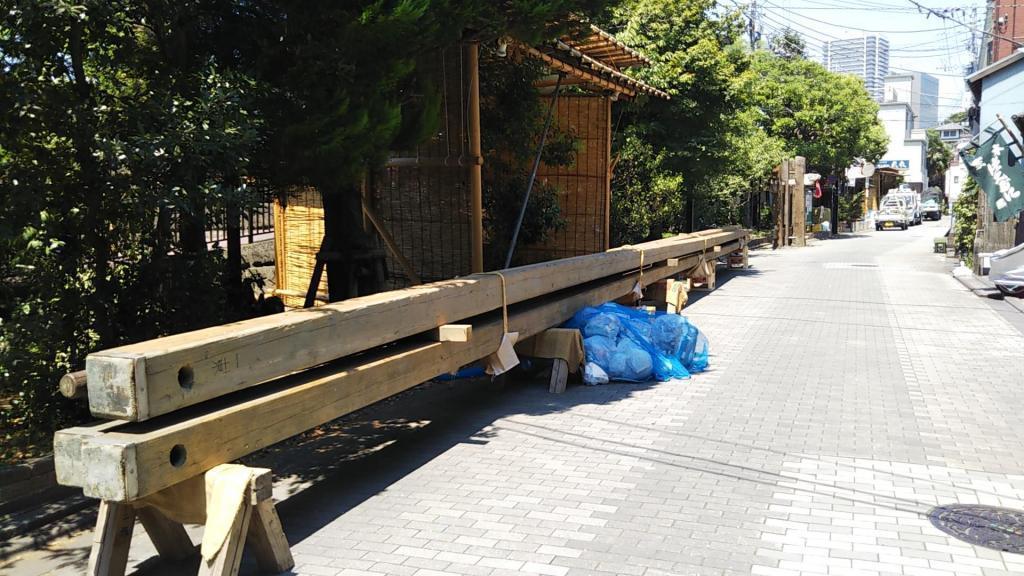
(298, 231)
(584, 193)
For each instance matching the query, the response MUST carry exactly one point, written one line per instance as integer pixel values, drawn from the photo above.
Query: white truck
(911, 201)
(893, 213)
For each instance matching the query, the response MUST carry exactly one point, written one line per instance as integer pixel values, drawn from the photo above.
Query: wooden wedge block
(454, 333)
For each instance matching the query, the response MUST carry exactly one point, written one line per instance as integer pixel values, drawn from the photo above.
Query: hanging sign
(1002, 180)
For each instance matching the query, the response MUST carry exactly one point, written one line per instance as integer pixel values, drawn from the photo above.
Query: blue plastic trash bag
(635, 345)
(598, 349)
(606, 325)
(630, 362)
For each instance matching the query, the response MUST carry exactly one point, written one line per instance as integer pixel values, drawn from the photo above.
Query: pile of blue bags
(632, 345)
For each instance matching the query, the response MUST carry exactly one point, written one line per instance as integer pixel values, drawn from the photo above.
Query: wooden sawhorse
(250, 517)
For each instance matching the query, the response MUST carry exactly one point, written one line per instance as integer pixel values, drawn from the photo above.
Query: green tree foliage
(965, 221)
(788, 44)
(957, 117)
(939, 155)
(682, 163)
(129, 125)
(515, 114)
(828, 118)
(118, 120)
(851, 207)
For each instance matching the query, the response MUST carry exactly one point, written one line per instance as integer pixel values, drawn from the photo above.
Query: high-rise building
(920, 91)
(866, 57)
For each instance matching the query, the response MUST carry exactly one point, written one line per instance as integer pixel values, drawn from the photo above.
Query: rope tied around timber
(701, 260)
(504, 299)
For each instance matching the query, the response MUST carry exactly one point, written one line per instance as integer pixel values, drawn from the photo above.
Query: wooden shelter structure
(426, 204)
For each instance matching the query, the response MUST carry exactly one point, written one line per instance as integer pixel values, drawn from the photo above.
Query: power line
(790, 10)
(945, 16)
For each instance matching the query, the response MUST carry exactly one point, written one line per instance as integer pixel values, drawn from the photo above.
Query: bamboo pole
(476, 227)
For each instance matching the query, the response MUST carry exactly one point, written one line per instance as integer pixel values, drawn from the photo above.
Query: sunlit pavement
(855, 387)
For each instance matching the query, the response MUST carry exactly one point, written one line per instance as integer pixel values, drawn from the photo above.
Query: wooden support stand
(671, 294)
(703, 277)
(740, 260)
(250, 516)
(559, 376)
(564, 346)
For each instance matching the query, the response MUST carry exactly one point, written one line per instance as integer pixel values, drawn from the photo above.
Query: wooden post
(476, 202)
(608, 181)
(799, 215)
(788, 199)
(73, 385)
(782, 206)
(111, 540)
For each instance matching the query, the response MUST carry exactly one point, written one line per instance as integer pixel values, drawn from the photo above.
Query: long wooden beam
(128, 461)
(145, 380)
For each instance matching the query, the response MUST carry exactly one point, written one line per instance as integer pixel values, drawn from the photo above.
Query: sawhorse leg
(255, 519)
(112, 539)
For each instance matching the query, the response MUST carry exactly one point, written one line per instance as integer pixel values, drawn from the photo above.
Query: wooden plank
(111, 539)
(267, 540)
(144, 380)
(169, 537)
(389, 241)
(135, 460)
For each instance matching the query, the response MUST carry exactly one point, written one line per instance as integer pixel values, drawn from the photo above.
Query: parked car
(893, 214)
(1007, 271)
(931, 209)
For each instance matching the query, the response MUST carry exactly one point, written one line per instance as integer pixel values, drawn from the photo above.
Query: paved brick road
(855, 386)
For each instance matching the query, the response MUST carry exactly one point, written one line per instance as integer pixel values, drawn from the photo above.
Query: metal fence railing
(256, 221)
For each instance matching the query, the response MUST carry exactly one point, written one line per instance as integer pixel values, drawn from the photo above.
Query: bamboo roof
(592, 57)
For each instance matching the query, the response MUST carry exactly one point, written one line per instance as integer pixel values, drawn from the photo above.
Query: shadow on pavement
(332, 469)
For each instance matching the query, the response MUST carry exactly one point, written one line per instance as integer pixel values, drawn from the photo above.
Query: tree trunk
(349, 272)
(192, 227)
(91, 188)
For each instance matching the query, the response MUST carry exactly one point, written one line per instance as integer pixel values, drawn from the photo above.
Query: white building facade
(908, 147)
(920, 91)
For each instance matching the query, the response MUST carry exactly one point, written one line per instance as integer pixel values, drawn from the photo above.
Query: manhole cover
(988, 526)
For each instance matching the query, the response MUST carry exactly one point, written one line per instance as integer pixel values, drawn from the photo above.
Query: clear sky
(917, 41)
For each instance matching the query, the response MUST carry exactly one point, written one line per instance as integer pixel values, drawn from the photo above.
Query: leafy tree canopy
(788, 44)
(828, 118)
(939, 155)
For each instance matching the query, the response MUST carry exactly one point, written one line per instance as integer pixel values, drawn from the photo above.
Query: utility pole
(754, 29)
